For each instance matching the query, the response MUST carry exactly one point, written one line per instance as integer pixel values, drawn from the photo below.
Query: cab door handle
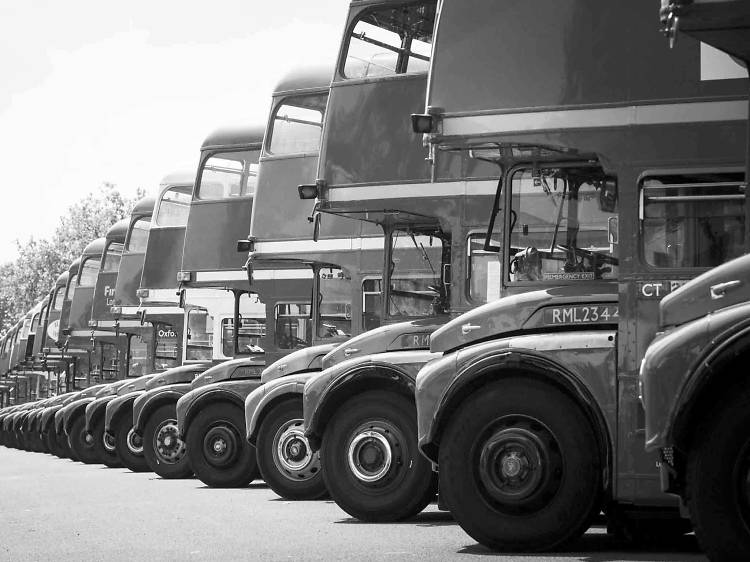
(350, 351)
(468, 328)
(718, 291)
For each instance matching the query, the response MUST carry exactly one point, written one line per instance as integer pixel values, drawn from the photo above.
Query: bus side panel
(129, 279)
(163, 258)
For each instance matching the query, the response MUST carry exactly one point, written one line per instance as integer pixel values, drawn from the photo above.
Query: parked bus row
(439, 266)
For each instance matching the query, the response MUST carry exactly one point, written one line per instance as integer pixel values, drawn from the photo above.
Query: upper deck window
(88, 272)
(71, 289)
(138, 238)
(34, 324)
(112, 257)
(392, 40)
(297, 124)
(57, 303)
(692, 220)
(174, 206)
(561, 220)
(228, 174)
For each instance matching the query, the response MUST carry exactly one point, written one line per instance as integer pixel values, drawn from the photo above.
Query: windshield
(560, 225)
(105, 361)
(112, 257)
(416, 287)
(297, 124)
(89, 271)
(138, 239)
(200, 335)
(335, 303)
(293, 325)
(137, 356)
(174, 206)
(229, 174)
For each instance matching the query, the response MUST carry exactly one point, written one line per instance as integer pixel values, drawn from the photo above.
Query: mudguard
(95, 410)
(226, 391)
(324, 392)
(74, 409)
(118, 405)
(146, 403)
(48, 417)
(262, 399)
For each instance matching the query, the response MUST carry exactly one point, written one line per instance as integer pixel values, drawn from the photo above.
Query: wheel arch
(373, 376)
(520, 365)
(214, 396)
(72, 415)
(152, 405)
(266, 408)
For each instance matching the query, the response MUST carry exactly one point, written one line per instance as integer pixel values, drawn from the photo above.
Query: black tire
(129, 445)
(165, 453)
(286, 462)
(63, 447)
(82, 443)
(509, 425)
(48, 436)
(370, 429)
(107, 456)
(219, 454)
(717, 487)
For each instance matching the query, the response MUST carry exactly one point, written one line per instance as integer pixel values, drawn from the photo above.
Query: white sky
(125, 92)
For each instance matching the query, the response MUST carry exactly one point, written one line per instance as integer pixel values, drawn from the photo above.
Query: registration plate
(415, 341)
(581, 314)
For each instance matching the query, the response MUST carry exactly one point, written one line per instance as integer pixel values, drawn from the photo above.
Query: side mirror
(608, 196)
(245, 246)
(421, 123)
(308, 191)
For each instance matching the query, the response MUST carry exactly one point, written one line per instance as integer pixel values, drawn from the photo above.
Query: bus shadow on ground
(424, 519)
(598, 546)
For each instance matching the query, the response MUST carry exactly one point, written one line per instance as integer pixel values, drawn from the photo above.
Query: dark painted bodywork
(122, 404)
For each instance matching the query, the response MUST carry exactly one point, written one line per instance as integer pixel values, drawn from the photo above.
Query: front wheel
(285, 459)
(371, 464)
(520, 467)
(105, 446)
(129, 445)
(165, 452)
(718, 479)
(82, 442)
(219, 454)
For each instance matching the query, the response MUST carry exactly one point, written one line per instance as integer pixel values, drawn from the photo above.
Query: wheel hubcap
(520, 465)
(293, 457)
(135, 443)
(373, 451)
(88, 439)
(220, 445)
(167, 444)
(109, 442)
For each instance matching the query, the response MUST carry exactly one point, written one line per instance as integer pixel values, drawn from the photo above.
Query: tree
(31, 276)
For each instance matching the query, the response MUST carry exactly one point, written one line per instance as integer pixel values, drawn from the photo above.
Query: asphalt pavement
(54, 509)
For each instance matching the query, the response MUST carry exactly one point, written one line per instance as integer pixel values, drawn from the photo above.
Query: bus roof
(62, 279)
(306, 78)
(118, 231)
(144, 206)
(239, 135)
(179, 177)
(94, 248)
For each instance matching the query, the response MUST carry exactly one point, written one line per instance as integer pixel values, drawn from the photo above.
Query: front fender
(119, 405)
(234, 391)
(59, 418)
(149, 401)
(324, 393)
(74, 409)
(48, 417)
(260, 400)
(95, 410)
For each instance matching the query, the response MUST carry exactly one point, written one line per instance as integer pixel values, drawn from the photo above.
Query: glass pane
(174, 207)
(485, 269)
(297, 125)
(372, 303)
(167, 348)
(59, 297)
(229, 174)
(139, 236)
(391, 40)
(293, 328)
(560, 223)
(112, 257)
(200, 336)
(415, 274)
(335, 304)
(138, 357)
(252, 331)
(88, 273)
(693, 221)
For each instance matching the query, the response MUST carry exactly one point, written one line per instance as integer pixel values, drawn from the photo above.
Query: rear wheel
(520, 467)
(718, 479)
(165, 452)
(285, 459)
(129, 445)
(81, 442)
(371, 464)
(219, 454)
(104, 445)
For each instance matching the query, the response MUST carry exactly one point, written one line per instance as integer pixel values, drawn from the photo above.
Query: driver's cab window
(137, 356)
(174, 206)
(252, 328)
(200, 335)
(227, 175)
(391, 40)
(167, 347)
(293, 328)
(485, 270)
(335, 298)
(416, 287)
(297, 124)
(563, 225)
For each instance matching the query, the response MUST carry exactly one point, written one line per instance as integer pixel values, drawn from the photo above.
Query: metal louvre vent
(247, 372)
(667, 455)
